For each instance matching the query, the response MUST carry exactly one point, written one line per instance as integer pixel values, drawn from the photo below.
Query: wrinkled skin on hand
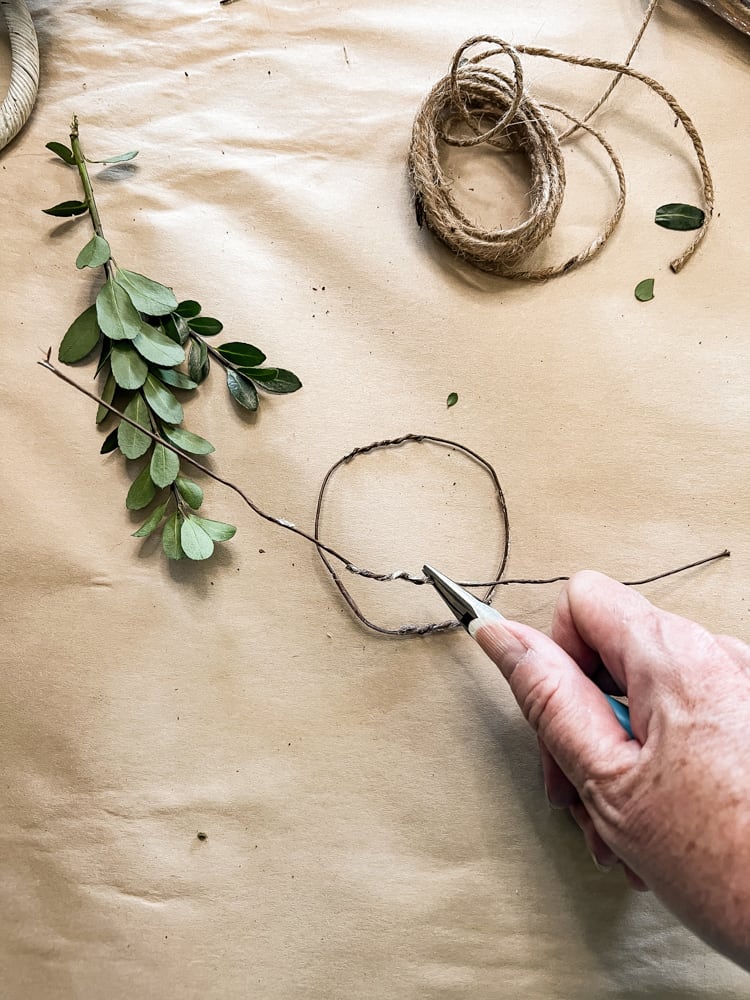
(672, 805)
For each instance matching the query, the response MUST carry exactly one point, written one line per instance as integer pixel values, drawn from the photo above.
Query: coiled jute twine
(474, 94)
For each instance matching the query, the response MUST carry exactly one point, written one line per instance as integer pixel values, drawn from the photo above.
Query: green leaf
(206, 326)
(175, 378)
(108, 394)
(152, 521)
(242, 354)
(104, 355)
(142, 490)
(81, 337)
(198, 363)
(644, 290)
(120, 158)
(128, 367)
(118, 317)
(678, 216)
(218, 530)
(165, 466)
(67, 208)
(452, 399)
(196, 544)
(94, 254)
(161, 400)
(157, 347)
(62, 151)
(284, 382)
(147, 295)
(188, 308)
(260, 374)
(170, 537)
(188, 441)
(110, 443)
(132, 441)
(190, 492)
(242, 390)
(176, 328)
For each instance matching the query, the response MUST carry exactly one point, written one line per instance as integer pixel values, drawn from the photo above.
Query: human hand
(671, 805)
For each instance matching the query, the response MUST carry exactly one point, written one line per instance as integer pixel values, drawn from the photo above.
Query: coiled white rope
(24, 70)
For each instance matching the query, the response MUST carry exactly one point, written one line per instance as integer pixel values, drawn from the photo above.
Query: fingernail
(498, 643)
(600, 867)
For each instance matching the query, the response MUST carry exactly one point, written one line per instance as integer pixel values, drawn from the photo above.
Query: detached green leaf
(242, 354)
(165, 466)
(94, 254)
(175, 378)
(157, 347)
(190, 492)
(132, 441)
(188, 441)
(242, 390)
(188, 308)
(110, 443)
(644, 290)
(117, 315)
(81, 337)
(67, 208)
(206, 326)
(161, 400)
(170, 537)
(198, 363)
(284, 382)
(108, 394)
(128, 367)
(142, 490)
(120, 158)
(196, 544)
(217, 530)
(152, 522)
(147, 295)
(62, 151)
(678, 216)
(452, 399)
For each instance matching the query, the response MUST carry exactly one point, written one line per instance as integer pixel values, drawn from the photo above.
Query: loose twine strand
(474, 92)
(324, 550)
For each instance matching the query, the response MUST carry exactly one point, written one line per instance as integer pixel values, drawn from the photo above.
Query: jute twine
(457, 112)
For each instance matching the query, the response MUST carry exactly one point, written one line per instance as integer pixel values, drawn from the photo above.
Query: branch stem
(88, 191)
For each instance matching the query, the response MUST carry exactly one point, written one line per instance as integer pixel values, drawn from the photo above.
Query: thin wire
(325, 549)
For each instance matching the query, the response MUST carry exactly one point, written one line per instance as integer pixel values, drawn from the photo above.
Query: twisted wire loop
(491, 107)
(424, 629)
(24, 73)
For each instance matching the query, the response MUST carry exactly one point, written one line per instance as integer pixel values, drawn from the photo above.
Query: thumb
(569, 713)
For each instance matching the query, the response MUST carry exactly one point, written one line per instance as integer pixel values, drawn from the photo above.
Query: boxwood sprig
(152, 348)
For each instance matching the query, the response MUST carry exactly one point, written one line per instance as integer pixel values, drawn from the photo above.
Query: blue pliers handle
(621, 714)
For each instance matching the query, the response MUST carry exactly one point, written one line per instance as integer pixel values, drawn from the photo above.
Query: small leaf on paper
(196, 544)
(120, 158)
(188, 441)
(152, 522)
(188, 308)
(452, 399)
(65, 209)
(190, 492)
(62, 151)
(170, 538)
(644, 290)
(128, 367)
(217, 530)
(283, 382)
(132, 441)
(165, 466)
(94, 254)
(678, 216)
(147, 295)
(205, 326)
(242, 390)
(244, 355)
(142, 490)
(117, 315)
(81, 337)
